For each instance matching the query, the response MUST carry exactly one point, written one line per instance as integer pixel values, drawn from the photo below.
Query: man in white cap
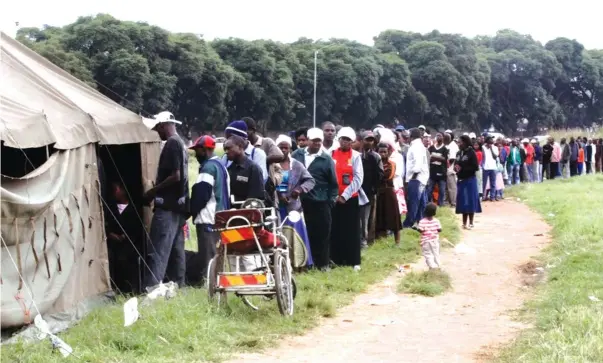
(318, 202)
(171, 201)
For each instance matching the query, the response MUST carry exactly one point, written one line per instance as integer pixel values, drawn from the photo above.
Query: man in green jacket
(319, 201)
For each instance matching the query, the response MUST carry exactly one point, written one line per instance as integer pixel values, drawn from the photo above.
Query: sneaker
(357, 268)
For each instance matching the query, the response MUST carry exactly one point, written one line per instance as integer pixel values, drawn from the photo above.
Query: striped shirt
(429, 230)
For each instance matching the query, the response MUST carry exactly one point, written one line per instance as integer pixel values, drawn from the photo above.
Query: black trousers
(589, 167)
(318, 225)
(553, 169)
(573, 168)
(345, 233)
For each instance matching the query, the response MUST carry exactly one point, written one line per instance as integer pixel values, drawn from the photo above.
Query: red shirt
(429, 230)
(480, 157)
(529, 154)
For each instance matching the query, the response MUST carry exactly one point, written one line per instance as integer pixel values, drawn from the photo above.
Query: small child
(430, 229)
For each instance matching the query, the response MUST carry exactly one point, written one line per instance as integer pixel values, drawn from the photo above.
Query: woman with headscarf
(388, 212)
(296, 180)
(467, 197)
(388, 137)
(345, 229)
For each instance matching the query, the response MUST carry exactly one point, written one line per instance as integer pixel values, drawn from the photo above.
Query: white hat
(161, 117)
(472, 135)
(421, 127)
(283, 138)
(534, 141)
(524, 141)
(347, 132)
(465, 134)
(448, 131)
(315, 133)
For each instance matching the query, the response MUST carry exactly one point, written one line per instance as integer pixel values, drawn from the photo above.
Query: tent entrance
(121, 178)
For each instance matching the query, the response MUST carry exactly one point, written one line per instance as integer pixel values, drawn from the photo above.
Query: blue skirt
(300, 231)
(467, 197)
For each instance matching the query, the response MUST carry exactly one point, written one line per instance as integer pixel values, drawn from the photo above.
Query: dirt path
(462, 325)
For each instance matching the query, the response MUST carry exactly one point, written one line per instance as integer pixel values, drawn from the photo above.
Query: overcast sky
(287, 20)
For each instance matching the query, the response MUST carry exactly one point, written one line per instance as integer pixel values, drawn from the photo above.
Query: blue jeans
(514, 176)
(416, 203)
(441, 190)
(491, 176)
(165, 254)
(531, 173)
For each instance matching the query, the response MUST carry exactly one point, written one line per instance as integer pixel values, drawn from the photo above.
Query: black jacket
(467, 161)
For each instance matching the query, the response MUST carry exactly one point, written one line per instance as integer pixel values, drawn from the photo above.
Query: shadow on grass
(426, 283)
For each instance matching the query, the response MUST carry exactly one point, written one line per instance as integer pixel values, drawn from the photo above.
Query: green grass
(189, 329)
(568, 326)
(426, 283)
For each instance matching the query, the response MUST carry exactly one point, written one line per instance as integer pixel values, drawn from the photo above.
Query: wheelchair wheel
(216, 265)
(284, 284)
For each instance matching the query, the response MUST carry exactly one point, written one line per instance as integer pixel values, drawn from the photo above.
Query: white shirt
(416, 162)
(489, 159)
(398, 180)
(333, 147)
(309, 158)
(453, 149)
(594, 152)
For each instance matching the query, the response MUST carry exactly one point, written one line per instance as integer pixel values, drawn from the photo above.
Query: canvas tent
(52, 218)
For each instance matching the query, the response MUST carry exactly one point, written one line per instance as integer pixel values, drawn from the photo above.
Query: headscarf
(283, 138)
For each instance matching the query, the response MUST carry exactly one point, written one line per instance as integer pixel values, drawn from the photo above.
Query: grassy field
(558, 134)
(188, 329)
(568, 324)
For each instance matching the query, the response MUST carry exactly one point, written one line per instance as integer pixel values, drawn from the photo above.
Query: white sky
(361, 20)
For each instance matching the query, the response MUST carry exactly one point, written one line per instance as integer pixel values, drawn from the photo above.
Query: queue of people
(350, 186)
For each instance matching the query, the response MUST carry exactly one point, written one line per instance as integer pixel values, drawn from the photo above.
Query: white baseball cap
(315, 133)
(347, 132)
(421, 127)
(525, 141)
(162, 117)
(472, 135)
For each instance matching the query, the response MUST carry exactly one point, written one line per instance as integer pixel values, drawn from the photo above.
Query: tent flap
(53, 229)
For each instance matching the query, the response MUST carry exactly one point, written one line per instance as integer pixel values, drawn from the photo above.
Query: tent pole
(47, 153)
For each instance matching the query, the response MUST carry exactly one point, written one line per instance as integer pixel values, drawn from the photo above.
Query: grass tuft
(426, 283)
(568, 324)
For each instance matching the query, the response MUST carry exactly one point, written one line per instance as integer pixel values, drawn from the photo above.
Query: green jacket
(322, 170)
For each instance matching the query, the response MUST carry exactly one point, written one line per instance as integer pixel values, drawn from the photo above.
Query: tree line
(440, 80)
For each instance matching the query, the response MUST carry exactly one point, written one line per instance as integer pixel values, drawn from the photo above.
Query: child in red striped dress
(430, 229)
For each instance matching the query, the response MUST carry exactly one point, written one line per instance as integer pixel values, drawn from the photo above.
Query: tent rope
(18, 247)
(44, 250)
(33, 245)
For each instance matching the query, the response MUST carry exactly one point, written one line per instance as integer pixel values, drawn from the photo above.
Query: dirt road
(463, 325)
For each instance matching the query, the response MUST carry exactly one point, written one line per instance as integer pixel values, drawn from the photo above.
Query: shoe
(471, 226)
(357, 268)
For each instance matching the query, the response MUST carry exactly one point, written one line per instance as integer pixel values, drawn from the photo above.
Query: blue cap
(400, 128)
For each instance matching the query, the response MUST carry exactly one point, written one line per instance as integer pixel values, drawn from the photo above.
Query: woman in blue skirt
(296, 181)
(467, 195)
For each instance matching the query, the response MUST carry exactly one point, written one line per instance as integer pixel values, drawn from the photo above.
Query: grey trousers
(367, 222)
(451, 188)
(206, 247)
(165, 254)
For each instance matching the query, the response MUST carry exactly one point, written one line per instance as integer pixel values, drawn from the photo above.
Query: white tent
(52, 218)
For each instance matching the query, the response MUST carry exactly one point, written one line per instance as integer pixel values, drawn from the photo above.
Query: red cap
(205, 142)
